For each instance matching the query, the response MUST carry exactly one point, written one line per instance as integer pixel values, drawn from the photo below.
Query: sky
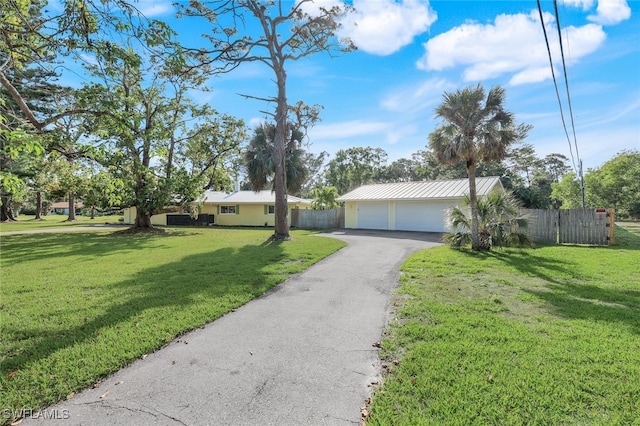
(412, 51)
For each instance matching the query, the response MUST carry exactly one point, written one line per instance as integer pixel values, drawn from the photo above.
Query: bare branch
(271, 99)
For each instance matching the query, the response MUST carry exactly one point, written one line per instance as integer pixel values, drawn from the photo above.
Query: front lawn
(77, 307)
(535, 337)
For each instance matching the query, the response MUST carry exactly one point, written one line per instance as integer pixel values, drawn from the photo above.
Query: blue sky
(411, 51)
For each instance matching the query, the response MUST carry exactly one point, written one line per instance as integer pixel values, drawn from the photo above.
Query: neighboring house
(409, 206)
(62, 207)
(240, 208)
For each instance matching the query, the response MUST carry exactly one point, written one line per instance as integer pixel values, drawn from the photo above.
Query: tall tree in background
(616, 184)
(566, 193)
(356, 166)
(273, 33)
(142, 124)
(212, 150)
(33, 38)
(476, 127)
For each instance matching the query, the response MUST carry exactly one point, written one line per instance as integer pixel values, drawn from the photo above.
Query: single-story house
(62, 207)
(240, 208)
(409, 206)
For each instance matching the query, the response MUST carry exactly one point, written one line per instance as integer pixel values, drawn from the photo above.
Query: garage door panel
(421, 216)
(373, 215)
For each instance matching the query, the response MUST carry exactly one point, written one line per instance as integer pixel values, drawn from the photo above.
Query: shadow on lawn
(545, 267)
(590, 302)
(204, 286)
(570, 298)
(29, 247)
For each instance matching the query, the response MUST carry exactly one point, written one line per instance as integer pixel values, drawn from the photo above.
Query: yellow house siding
(159, 219)
(130, 217)
(248, 214)
(350, 214)
(209, 209)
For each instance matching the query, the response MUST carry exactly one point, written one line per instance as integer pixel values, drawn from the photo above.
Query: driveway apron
(302, 354)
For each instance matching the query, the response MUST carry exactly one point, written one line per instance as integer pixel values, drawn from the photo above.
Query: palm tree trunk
(473, 205)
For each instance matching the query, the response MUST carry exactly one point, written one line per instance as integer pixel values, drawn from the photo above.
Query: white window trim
(269, 210)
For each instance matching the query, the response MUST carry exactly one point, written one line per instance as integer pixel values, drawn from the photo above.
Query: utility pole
(582, 185)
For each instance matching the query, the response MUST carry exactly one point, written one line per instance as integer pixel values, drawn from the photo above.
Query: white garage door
(373, 215)
(421, 216)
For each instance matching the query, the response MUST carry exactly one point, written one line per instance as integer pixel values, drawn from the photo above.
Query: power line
(566, 80)
(555, 83)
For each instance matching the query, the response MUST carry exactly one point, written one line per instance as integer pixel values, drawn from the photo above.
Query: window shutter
(218, 209)
(237, 208)
(266, 209)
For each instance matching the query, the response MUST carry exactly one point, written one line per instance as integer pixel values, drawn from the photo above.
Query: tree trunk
(281, 225)
(93, 212)
(143, 220)
(473, 205)
(6, 215)
(72, 208)
(38, 205)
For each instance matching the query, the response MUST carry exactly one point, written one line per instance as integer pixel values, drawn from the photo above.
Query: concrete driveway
(301, 354)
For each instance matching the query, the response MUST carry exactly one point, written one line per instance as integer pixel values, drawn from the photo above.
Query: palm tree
(260, 160)
(325, 198)
(500, 222)
(474, 129)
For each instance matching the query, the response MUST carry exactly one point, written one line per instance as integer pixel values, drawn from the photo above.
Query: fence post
(611, 225)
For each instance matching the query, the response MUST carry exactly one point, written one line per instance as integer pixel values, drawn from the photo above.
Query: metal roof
(248, 197)
(426, 190)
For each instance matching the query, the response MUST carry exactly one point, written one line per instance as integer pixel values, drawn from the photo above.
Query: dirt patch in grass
(139, 230)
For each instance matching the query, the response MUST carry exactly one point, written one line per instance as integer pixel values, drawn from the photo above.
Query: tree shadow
(225, 278)
(568, 298)
(593, 303)
(22, 248)
(545, 267)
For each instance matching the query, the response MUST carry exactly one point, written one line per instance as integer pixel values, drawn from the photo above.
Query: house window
(271, 209)
(228, 209)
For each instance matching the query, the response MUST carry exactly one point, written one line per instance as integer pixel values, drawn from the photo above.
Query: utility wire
(566, 81)
(555, 83)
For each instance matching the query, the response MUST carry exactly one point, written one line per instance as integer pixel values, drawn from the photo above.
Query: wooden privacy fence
(576, 226)
(318, 219)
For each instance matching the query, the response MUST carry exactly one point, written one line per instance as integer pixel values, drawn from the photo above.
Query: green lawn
(539, 337)
(76, 307)
(25, 222)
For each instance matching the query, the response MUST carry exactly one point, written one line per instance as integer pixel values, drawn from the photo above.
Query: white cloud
(412, 98)
(151, 8)
(255, 122)
(584, 4)
(383, 27)
(347, 129)
(88, 59)
(513, 44)
(611, 12)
